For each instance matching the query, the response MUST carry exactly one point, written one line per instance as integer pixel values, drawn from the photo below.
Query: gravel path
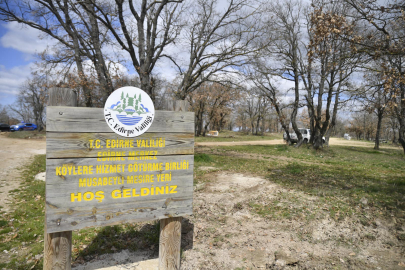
(14, 154)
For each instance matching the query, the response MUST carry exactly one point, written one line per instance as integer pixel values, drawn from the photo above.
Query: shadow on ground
(128, 243)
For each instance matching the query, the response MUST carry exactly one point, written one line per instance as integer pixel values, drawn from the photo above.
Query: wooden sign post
(170, 228)
(58, 246)
(95, 177)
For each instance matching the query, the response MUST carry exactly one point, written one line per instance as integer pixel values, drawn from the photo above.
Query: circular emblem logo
(129, 111)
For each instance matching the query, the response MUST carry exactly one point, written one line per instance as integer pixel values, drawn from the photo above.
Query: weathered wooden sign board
(95, 177)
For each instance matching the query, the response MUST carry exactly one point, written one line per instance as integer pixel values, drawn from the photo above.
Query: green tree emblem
(128, 102)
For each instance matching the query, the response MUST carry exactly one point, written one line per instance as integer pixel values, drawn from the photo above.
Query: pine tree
(130, 102)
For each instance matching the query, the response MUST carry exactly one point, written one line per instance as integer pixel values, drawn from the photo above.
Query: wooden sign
(97, 178)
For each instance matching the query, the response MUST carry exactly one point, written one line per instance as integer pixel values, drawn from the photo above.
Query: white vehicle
(306, 135)
(347, 136)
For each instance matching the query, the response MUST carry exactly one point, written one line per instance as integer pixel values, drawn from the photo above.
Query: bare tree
(281, 58)
(218, 41)
(77, 32)
(286, 26)
(143, 30)
(385, 40)
(211, 103)
(263, 106)
(252, 109)
(21, 110)
(332, 55)
(4, 115)
(241, 118)
(31, 101)
(375, 99)
(261, 76)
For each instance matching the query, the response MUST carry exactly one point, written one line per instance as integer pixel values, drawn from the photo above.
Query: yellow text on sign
(128, 193)
(124, 193)
(127, 143)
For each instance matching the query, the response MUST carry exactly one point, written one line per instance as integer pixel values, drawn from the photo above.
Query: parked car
(306, 135)
(23, 126)
(347, 136)
(4, 127)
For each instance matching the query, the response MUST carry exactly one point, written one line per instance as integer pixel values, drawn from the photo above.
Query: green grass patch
(3, 223)
(25, 228)
(27, 134)
(6, 230)
(200, 158)
(339, 176)
(295, 168)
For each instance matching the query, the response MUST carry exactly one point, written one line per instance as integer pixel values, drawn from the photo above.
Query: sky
(20, 44)
(18, 47)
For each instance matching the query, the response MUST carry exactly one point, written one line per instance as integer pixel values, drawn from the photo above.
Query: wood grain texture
(122, 213)
(170, 228)
(58, 250)
(58, 246)
(68, 119)
(169, 243)
(168, 105)
(62, 97)
(69, 131)
(63, 214)
(69, 145)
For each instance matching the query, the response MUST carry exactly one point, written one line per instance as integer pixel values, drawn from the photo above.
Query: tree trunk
(394, 137)
(199, 124)
(318, 143)
(401, 138)
(327, 136)
(205, 129)
(99, 62)
(297, 95)
(401, 116)
(377, 134)
(257, 125)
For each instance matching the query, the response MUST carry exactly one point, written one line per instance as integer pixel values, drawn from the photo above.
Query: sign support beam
(170, 228)
(58, 246)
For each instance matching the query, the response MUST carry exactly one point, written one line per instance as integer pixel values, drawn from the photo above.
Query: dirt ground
(227, 235)
(223, 232)
(14, 154)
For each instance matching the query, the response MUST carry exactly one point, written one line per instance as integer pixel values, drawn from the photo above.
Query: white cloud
(11, 80)
(166, 69)
(24, 39)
